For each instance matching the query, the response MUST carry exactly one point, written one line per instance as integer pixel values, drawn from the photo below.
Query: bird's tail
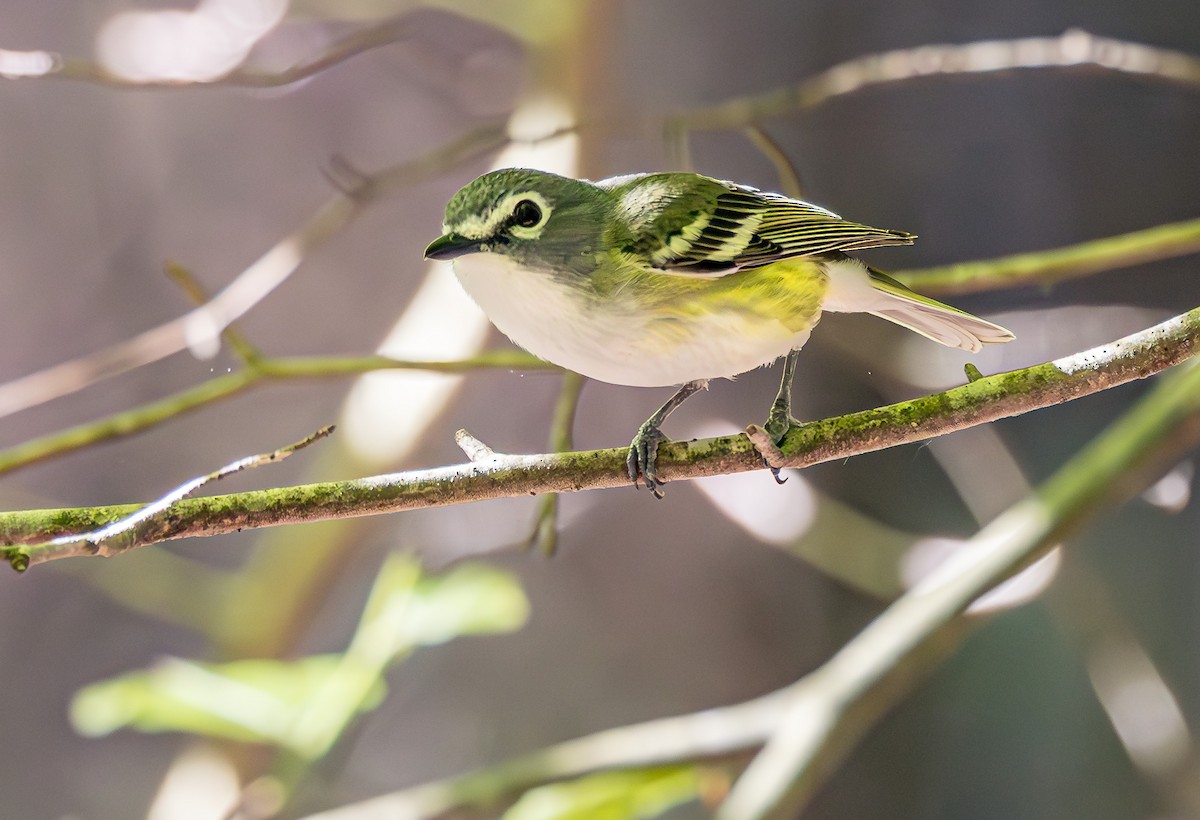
(882, 296)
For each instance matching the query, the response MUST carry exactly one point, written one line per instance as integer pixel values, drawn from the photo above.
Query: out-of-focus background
(649, 608)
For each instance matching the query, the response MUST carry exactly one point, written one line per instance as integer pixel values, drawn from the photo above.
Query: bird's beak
(451, 246)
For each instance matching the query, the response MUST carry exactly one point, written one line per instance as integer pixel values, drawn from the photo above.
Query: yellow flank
(788, 292)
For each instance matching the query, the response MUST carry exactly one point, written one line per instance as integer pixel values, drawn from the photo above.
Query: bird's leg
(780, 420)
(643, 452)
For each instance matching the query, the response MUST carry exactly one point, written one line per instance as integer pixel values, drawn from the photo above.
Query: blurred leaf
(472, 599)
(248, 700)
(625, 795)
(305, 704)
(405, 611)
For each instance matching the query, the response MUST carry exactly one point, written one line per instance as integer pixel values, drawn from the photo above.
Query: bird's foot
(778, 423)
(643, 452)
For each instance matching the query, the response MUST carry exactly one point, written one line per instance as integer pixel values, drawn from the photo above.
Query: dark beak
(451, 246)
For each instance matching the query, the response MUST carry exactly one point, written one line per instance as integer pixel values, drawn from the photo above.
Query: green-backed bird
(666, 279)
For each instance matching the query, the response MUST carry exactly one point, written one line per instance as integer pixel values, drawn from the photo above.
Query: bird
(673, 279)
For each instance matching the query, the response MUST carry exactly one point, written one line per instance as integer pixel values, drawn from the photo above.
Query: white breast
(613, 341)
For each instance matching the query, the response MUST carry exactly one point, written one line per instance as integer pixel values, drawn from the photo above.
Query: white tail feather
(853, 289)
(951, 329)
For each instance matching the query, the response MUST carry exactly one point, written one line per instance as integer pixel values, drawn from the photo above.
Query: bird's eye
(526, 214)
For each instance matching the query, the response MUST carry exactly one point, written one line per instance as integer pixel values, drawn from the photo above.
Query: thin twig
(987, 399)
(199, 329)
(785, 169)
(474, 449)
(196, 292)
(712, 734)
(545, 521)
(99, 542)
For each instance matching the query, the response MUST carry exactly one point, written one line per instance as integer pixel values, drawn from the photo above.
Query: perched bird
(664, 279)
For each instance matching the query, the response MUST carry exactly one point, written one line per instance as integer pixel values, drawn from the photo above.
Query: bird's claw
(779, 422)
(643, 453)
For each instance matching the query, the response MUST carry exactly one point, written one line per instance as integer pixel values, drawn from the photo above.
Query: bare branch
(196, 292)
(785, 169)
(978, 402)
(562, 438)
(711, 734)
(201, 328)
(37, 64)
(100, 542)
(1070, 262)
(1073, 49)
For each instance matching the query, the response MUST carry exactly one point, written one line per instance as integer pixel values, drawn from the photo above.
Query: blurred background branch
(200, 330)
(1073, 49)
(833, 706)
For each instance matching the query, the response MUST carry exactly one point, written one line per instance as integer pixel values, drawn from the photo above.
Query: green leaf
(306, 704)
(472, 599)
(405, 611)
(624, 795)
(248, 700)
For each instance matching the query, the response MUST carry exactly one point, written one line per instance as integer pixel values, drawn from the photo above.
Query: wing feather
(696, 225)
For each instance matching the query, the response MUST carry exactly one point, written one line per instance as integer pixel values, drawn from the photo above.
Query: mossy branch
(504, 476)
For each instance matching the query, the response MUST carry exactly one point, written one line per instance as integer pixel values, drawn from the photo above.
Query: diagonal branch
(827, 711)
(201, 328)
(35, 64)
(1074, 48)
(504, 476)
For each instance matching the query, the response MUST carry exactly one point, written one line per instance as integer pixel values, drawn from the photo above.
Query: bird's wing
(694, 225)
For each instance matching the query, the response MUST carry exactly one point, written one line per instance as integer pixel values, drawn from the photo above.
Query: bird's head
(541, 220)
